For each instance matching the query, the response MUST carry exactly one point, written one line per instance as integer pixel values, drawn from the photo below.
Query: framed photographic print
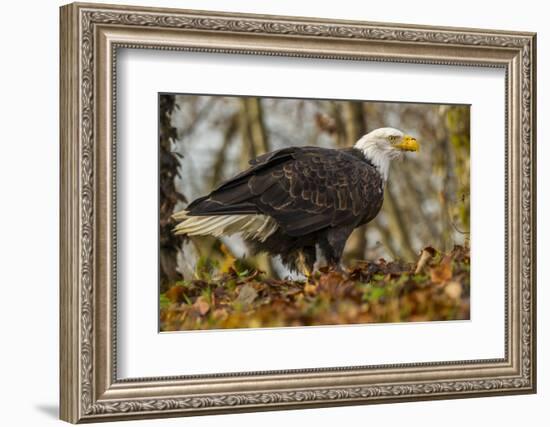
(265, 212)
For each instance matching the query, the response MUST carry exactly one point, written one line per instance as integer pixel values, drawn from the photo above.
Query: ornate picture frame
(90, 37)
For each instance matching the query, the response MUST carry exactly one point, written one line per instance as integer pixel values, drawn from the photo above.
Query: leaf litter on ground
(435, 288)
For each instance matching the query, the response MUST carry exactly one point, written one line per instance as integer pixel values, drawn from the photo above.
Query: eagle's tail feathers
(207, 225)
(252, 226)
(180, 215)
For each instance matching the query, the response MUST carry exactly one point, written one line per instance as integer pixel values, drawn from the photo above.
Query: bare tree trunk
(355, 128)
(397, 225)
(339, 125)
(356, 125)
(255, 143)
(170, 244)
(228, 135)
(257, 128)
(252, 128)
(447, 192)
(413, 199)
(458, 127)
(386, 238)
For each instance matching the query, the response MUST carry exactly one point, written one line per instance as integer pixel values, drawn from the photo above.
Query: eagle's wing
(320, 188)
(304, 189)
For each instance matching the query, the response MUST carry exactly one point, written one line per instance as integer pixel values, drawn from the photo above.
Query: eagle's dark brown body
(316, 196)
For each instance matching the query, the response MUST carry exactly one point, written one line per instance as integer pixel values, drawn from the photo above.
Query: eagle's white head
(383, 145)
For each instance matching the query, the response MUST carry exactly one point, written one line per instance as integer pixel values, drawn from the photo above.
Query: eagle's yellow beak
(408, 143)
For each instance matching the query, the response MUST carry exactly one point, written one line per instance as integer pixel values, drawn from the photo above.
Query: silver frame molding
(90, 37)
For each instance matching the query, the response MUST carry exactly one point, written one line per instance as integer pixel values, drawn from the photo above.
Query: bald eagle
(295, 200)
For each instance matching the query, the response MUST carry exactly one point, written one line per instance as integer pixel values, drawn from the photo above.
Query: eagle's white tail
(258, 227)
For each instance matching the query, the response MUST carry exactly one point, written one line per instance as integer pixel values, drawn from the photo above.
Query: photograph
(278, 212)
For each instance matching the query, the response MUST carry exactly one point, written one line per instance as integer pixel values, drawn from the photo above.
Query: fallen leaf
(453, 290)
(331, 279)
(443, 272)
(292, 291)
(220, 314)
(310, 289)
(229, 260)
(247, 295)
(201, 305)
(175, 294)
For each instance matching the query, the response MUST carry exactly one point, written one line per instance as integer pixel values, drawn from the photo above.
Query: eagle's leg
(306, 261)
(333, 245)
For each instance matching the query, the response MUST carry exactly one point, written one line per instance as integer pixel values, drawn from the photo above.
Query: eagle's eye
(393, 138)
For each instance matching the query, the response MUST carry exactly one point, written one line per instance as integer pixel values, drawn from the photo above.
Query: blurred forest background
(207, 139)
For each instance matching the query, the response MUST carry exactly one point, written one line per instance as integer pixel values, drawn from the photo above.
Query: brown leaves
(175, 294)
(310, 288)
(247, 295)
(326, 123)
(443, 272)
(453, 290)
(335, 285)
(201, 305)
(437, 287)
(331, 280)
